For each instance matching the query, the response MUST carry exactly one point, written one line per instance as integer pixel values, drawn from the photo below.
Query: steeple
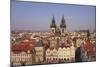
(88, 33)
(53, 24)
(63, 24)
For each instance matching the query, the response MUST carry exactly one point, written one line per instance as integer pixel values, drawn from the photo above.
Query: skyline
(25, 15)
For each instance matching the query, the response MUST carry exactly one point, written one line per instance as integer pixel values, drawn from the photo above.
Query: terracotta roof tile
(23, 46)
(89, 47)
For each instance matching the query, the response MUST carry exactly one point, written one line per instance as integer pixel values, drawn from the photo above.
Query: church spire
(53, 24)
(63, 24)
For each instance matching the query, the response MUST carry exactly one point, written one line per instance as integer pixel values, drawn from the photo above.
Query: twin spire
(62, 25)
(53, 24)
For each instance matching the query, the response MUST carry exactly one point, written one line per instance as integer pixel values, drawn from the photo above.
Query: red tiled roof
(23, 46)
(89, 47)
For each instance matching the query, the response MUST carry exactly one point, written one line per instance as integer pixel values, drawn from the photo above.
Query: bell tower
(63, 26)
(53, 26)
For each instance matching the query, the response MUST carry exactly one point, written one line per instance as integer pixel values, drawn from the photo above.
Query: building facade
(60, 50)
(61, 54)
(22, 54)
(39, 48)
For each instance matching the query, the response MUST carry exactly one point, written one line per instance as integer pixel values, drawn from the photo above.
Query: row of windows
(21, 56)
(16, 64)
(19, 64)
(20, 59)
(39, 55)
(65, 59)
(39, 51)
(60, 55)
(60, 49)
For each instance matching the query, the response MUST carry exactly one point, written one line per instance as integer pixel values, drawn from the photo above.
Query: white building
(39, 57)
(21, 58)
(65, 54)
(22, 54)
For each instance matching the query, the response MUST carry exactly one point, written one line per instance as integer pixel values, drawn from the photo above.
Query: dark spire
(63, 24)
(88, 33)
(53, 24)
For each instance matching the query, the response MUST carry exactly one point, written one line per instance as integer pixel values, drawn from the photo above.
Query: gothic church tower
(63, 26)
(53, 26)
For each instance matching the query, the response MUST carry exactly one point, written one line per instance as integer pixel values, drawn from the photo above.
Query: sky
(37, 16)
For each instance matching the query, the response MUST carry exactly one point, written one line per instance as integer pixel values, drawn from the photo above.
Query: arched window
(67, 59)
(64, 59)
(62, 30)
(56, 58)
(52, 30)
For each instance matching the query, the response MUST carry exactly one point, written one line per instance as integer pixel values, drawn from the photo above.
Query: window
(53, 58)
(53, 31)
(62, 30)
(56, 58)
(64, 59)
